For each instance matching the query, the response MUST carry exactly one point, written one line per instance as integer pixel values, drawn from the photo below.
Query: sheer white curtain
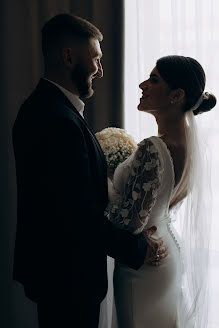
(162, 27)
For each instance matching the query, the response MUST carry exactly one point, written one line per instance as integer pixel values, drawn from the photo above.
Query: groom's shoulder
(47, 102)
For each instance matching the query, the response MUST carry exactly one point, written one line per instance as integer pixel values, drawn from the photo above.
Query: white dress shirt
(74, 99)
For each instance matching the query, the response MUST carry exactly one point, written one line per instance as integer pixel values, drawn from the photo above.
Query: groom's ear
(177, 96)
(68, 57)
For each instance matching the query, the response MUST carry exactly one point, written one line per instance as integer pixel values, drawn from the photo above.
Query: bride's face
(155, 94)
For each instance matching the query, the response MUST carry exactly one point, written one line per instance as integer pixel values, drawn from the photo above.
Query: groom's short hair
(66, 27)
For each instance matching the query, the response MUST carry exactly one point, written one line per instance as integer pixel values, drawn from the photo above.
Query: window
(157, 28)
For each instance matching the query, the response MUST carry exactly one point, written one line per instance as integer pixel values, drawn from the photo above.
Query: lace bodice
(142, 186)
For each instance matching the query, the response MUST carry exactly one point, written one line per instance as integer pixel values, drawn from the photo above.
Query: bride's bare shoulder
(178, 153)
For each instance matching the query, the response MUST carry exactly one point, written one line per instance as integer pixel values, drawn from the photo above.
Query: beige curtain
(20, 69)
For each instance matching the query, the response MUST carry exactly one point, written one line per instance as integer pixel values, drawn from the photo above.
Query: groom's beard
(82, 80)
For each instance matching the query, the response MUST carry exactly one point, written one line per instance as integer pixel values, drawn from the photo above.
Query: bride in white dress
(151, 182)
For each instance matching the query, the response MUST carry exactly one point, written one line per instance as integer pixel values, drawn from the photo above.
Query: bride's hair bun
(209, 101)
(186, 73)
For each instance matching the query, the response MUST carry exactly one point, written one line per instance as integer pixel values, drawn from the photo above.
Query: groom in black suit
(62, 236)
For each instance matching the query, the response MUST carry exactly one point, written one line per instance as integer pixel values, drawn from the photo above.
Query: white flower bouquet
(116, 144)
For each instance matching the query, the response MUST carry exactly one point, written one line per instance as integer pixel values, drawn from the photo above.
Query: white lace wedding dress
(140, 196)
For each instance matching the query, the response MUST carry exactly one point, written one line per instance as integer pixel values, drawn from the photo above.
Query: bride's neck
(172, 128)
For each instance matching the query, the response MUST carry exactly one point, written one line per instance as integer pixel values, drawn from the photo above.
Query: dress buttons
(173, 235)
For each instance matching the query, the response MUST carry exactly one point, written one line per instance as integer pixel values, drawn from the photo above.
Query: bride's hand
(156, 250)
(110, 173)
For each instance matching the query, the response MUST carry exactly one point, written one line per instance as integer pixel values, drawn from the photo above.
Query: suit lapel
(95, 141)
(54, 92)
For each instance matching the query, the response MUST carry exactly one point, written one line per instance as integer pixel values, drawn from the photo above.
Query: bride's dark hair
(187, 74)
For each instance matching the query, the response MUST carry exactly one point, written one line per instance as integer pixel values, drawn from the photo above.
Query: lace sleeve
(140, 192)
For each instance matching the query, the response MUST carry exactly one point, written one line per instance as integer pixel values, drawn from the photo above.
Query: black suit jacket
(62, 235)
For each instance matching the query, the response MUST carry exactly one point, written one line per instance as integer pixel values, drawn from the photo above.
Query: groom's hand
(156, 250)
